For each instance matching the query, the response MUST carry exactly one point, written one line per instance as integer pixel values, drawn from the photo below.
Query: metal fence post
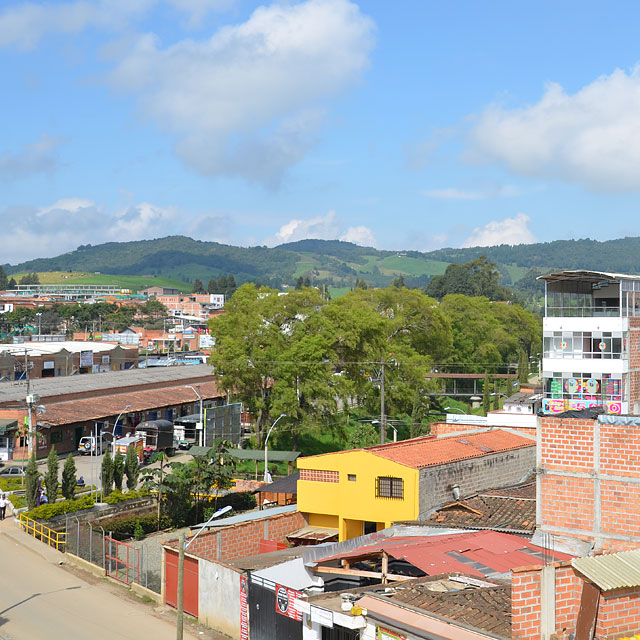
(103, 537)
(78, 537)
(90, 542)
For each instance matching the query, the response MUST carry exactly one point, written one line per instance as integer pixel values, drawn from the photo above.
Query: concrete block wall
(244, 539)
(618, 611)
(589, 481)
(475, 474)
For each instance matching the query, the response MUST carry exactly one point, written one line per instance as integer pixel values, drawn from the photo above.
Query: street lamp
(113, 433)
(196, 390)
(39, 316)
(182, 547)
(266, 454)
(454, 409)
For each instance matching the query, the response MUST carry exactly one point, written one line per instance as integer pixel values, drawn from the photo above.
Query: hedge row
(117, 496)
(132, 526)
(47, 511)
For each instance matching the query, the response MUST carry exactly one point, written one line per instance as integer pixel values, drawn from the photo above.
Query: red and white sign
(244, 615)
(285, 602)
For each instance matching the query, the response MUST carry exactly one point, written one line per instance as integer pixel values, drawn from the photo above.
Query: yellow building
(364, 490)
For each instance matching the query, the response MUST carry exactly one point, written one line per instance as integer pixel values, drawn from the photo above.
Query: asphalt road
(41, 600)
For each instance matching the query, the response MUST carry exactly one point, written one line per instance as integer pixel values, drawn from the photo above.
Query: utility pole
(383, 420)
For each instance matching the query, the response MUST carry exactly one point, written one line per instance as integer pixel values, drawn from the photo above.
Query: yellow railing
(41, 532)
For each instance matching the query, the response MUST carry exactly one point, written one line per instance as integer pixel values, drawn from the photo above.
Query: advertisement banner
(86, 359)
(244, 616)
(560, 406)
(285, 602)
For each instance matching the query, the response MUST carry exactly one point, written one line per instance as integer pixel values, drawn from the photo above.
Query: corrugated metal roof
(586, 275)
(611, 571)
(54, 387)
(249, 516)
(481, 553)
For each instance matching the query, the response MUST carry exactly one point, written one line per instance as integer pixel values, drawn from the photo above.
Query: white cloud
(508, 231)
(32, 232)
(37, 157)
(249, 100)
(453, 193)
(24, 25)
(359, 235)
(591, 137)
(325, 227)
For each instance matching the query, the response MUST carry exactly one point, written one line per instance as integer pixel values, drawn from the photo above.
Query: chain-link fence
(93, 544)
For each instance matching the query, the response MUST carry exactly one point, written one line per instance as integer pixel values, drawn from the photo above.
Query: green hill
(331, 262)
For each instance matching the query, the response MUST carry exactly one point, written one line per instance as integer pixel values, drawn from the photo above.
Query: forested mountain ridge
(330, 261)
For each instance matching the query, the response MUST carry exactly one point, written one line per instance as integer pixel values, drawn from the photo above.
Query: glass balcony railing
(582, 312)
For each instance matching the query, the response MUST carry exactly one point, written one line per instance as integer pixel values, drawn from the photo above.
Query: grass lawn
(135, 283)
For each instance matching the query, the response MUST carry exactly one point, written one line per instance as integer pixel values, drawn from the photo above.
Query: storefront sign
(48, 364)
(285, 602)
(386, 634)
(559, 406)
(244, 616)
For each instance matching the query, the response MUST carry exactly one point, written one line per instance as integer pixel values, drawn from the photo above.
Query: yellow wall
(323, 520)
(355, 502)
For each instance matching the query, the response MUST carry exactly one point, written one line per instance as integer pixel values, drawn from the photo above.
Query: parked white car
(87, 445)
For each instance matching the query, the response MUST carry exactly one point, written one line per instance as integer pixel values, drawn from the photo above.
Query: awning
(7, 424)
(282, 485)
(315, 534)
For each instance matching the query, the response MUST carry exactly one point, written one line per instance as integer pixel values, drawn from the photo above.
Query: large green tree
(69, 478)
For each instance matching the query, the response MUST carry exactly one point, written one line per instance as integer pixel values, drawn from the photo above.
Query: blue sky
(400, 125)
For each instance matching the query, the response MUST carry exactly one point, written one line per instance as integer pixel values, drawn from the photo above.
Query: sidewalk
(9, 528)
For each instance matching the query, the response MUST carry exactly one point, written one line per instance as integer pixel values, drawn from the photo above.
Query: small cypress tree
(118, 470)
(31, 482)
(486, 393)
(131, 468)
(51, 477)
(523, 367)
(496, 396)
(107, 474)
(69, 478)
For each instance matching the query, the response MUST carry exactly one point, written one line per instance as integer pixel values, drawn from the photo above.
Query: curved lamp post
(266, 454)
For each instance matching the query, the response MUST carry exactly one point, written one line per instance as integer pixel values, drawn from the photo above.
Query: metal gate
(122, 561)
(265, 623)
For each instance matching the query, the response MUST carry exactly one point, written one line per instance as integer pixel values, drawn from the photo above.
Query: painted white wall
(585, 324)
(593, 365)
(292, 574)
(219, 597)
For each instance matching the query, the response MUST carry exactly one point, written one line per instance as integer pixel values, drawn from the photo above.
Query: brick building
(65, 358)
(589, 480)
(591, 348)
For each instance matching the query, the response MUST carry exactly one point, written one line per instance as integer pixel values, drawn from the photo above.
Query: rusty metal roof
(611, 571)
(480, 553)
(101, 407)
(317, 534)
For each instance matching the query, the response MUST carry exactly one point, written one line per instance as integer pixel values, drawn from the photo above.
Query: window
(387, 487)
(56, 436)
(351, 477)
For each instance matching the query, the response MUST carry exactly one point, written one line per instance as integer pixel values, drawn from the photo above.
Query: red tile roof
(429, 451)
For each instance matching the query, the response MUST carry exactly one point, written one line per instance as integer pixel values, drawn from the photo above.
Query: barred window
(387, 487)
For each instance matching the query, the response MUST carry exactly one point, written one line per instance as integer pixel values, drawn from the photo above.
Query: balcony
(582, 312)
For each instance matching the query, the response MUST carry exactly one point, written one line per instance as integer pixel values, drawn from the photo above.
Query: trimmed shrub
(117, 496)
(47, 511)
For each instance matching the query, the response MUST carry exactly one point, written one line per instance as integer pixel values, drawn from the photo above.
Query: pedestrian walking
(3, 505)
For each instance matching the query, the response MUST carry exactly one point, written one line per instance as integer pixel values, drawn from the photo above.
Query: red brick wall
(618, 613)
(567, 445)
(244, 539)
(318, 475)
(634, 361)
